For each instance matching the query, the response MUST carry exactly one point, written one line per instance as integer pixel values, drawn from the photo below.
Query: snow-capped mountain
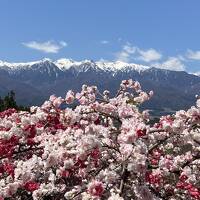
(33, 82)
(197, 73)
(81, 66)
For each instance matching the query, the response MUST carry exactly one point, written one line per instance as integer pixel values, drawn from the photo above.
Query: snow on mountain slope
(48, 77)
(118, 65)
(79, 66)
(19, 66)
(64, 64)
(197, 73)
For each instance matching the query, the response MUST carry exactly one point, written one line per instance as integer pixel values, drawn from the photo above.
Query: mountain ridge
(64, 64)
(174, 90)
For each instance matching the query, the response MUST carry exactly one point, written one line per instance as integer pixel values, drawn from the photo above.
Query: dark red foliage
(141, 133)
(31, 186)
(7, 113)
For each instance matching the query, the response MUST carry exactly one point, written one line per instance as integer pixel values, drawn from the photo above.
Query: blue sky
(164, 34)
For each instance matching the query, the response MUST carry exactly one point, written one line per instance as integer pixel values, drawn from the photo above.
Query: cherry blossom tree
(104, 148)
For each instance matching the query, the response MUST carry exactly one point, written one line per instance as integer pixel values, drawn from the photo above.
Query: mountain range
(34, 82)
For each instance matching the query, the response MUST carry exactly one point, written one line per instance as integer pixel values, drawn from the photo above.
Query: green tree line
(9, 101)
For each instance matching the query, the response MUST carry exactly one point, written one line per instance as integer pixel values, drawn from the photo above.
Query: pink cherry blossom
(104, 148)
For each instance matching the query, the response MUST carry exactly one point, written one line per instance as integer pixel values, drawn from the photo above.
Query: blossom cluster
(104, 148)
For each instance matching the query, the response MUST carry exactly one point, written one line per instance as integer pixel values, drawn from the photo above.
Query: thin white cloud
(63, 43)
(123, 56)
(181, 57)
(172, 63)
(46, 47)
(126, 53)
(149, 55)
(130, 52)
(104, 42)
(193, 55)
(129, 49)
